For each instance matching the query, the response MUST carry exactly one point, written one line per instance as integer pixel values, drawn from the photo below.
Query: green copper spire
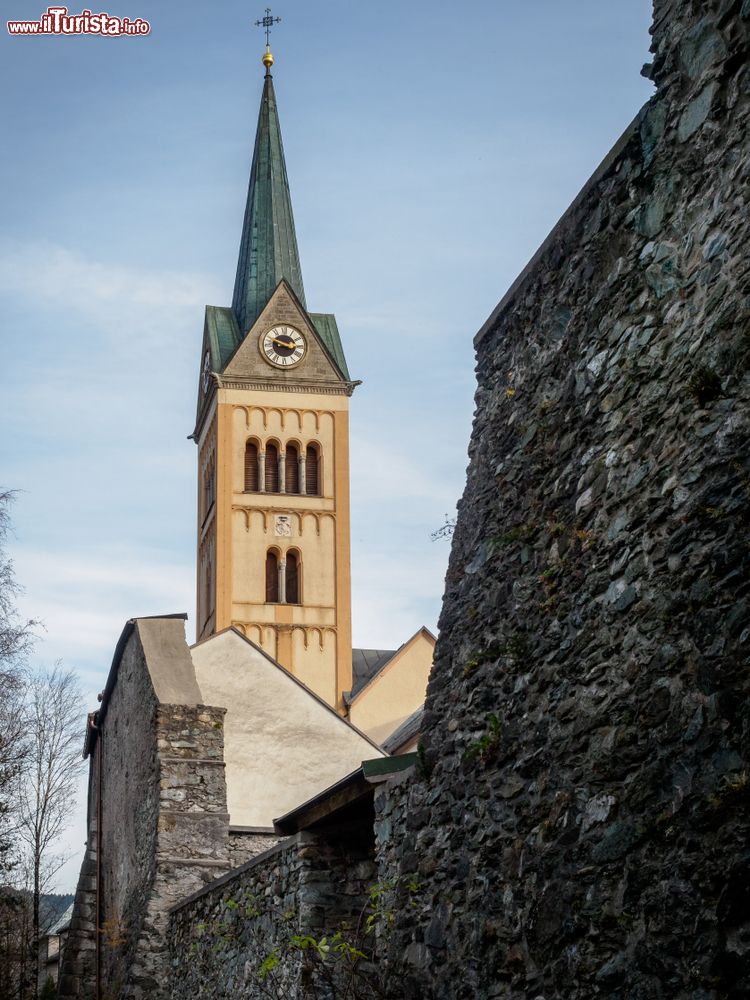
(268, 248)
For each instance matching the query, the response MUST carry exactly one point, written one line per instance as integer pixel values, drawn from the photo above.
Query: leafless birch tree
(47, 786)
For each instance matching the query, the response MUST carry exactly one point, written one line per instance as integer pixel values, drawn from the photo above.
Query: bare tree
(16, 638)
(13, 750)
(46, 789)
(16, 633)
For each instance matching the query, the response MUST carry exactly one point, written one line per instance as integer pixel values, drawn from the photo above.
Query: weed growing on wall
(337, 965)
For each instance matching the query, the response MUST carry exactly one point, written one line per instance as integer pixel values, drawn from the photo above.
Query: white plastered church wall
(282, 744)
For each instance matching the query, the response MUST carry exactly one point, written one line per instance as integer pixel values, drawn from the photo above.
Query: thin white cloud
(390, 473)
(83, 602)
(103, 293)
(388, 605)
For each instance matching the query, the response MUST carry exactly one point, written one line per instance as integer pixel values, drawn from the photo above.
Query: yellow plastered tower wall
(260, 505)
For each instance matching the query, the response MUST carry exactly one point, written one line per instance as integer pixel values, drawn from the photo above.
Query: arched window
(292, 578)
(312, 471)
(292, 469)
(272, 578)
(251, 468)
(272, 468)
(209, 486)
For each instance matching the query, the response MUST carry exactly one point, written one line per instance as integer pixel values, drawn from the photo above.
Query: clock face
(283, 346)
(206, 373)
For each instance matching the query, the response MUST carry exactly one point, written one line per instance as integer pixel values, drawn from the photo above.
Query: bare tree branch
(17, 635)
(47, 783)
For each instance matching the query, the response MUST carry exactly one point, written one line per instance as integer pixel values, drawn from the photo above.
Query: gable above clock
(284, 346)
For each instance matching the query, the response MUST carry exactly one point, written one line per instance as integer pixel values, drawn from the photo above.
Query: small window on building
(208, 592)
(312, 471)
(252, 484)
(272, 578)
(291, 469)
(272, 469)
(292, 578)
(209, 487)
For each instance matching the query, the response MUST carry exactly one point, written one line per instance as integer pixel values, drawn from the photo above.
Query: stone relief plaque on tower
(282, 526)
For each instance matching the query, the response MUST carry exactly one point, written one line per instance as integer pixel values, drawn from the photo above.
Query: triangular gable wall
(284, 308)
(282, 743)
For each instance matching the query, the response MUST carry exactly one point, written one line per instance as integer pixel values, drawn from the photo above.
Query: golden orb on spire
(267, 58)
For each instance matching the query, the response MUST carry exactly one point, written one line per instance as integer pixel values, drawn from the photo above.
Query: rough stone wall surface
(582, 828)
(245, 845)
(77, 968)
(220, 937)
(398, 803)
(193, 829)
(164, 834)
(129, 815)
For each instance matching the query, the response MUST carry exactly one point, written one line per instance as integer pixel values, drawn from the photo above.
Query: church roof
(223, 335)
(328, 331)
(268, 247)
(366, 663)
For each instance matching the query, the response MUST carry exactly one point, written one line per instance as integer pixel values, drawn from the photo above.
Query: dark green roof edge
(388, 765)
(328, 331)
(223, 335)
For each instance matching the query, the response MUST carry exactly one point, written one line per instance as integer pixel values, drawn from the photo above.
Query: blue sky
(430, 148)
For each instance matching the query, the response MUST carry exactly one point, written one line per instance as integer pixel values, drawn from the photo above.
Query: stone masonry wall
(222, 936)
(164, 833)
(581, 827)
(129, 815)
(247, 844)
(77, 969)
(193, 828)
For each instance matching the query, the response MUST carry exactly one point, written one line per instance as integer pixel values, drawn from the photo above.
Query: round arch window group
(274, 469)
(283, 577)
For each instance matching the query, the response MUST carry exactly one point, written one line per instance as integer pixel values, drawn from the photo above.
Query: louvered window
(291, 472)
(251, 468)
(272, 578)
(312, 471)
(272, 469)
(292, 578)
(209, 609)
(210, 487)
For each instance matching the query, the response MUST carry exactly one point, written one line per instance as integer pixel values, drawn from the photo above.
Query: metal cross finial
(267, 23)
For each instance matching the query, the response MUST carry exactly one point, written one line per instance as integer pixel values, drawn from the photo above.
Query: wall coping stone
(253, 829)
(192, 760)
(259, 859)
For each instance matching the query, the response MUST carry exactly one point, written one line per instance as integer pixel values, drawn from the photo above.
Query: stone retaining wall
(581, 826)
(224, 937)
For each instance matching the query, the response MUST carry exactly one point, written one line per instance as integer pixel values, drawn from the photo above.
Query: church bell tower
(273, 447)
